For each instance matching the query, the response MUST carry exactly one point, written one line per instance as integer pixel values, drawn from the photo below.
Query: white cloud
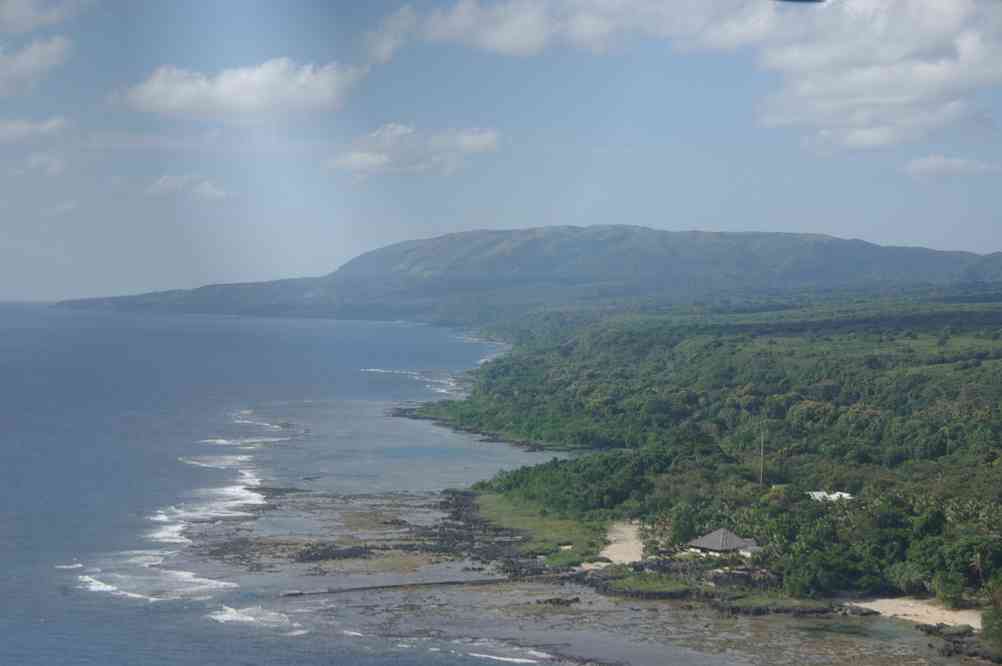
(208, 190)
(361, 162)
(397, 148)
(28, 15)
(277, 86)
(938, 166)
(22, 130)
(22, 69)
(188, 184)
(392, 34)
(59, 209)
(50, 164)
(854, 73)
(168, 184)
(516, 27)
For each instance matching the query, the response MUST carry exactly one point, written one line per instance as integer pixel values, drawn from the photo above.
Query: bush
(991, 626)
(949, 588)
(908, 577)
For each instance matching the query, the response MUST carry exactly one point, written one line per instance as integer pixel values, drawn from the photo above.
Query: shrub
(949, 588)
(908, 577)
(991, 626)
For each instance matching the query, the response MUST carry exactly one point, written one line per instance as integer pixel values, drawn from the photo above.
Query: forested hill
(482, 276)
(695, 422)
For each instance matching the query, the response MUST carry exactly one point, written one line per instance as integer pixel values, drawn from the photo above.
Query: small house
(723, 542)
(822, 496)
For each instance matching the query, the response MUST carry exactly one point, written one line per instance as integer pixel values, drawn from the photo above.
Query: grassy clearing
(773, 600)
(649, 582)
(546, 534)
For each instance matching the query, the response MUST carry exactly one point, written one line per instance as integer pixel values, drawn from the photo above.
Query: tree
(949, 588)
(683, 524)
(991, 619)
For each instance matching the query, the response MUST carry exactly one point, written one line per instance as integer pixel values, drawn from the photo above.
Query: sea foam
(141, 575)
(510, 660)
(253, 615)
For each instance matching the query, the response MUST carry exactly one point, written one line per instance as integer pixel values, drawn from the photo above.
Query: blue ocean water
(118, 432)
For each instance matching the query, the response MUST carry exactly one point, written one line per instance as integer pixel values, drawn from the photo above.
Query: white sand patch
(923, 611)
(625, 546)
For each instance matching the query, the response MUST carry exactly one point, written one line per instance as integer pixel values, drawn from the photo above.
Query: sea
(120, 433)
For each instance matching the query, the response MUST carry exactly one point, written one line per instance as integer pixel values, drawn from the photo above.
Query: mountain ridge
(461, 276)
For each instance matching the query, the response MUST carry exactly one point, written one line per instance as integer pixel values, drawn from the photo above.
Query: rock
(319, 552)
(559, 601)
(946, 631)
(958, 631)
(856, 611)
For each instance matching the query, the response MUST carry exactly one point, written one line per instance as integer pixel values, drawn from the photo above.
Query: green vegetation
(895, 400)
(650, 582)
(546, 534)
(991, 619)
(773, 601)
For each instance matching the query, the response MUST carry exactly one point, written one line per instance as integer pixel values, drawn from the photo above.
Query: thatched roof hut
(723, 541)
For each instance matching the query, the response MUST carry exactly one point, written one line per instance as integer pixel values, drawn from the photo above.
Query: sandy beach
(923, 611)
(625, 546)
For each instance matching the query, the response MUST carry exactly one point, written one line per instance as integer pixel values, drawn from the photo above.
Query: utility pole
(761, 459)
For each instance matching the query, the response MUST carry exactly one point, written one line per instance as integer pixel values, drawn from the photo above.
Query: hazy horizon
(152, 146)
(286, 277)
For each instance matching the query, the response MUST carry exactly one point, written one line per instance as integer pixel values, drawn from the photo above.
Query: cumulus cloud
(28, 15)
(516, 27)
(21, 130)
(854, 73)
(22, 69)
(209, 191)
(940, 166)
(191, 185)
(278, 86)
(50, 164)
(398, 148)
(392, 34)
(59, 209)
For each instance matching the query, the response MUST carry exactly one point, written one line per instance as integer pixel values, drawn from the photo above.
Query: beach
(922, 611)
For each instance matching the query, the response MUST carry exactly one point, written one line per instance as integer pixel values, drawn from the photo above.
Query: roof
(722, 541)
(822, 496)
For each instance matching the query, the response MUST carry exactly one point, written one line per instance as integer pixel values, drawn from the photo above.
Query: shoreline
(921, 611)
(411, 410)
(625, 549)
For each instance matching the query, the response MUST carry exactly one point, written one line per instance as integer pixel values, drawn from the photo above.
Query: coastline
(413, 411)
(955, 630)
(922, 611)
(482, 584)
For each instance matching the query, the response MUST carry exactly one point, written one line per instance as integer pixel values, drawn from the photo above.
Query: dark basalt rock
(559, 601)
(855, 611)
(961, 641)
(947, 631)
(320, 552)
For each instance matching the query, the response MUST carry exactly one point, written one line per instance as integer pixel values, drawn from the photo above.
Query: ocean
(120, 434)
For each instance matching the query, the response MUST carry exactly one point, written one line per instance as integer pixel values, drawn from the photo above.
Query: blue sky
(150, 145)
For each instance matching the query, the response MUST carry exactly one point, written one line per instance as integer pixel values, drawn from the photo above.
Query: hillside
(484, 276)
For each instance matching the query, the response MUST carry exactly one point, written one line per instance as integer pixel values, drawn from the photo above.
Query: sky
(151, 145)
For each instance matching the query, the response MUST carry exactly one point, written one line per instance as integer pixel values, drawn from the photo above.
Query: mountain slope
(481, 275)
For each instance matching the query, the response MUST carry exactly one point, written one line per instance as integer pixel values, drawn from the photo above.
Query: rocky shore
(429, 566)
(960, 641)
(414, 411)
